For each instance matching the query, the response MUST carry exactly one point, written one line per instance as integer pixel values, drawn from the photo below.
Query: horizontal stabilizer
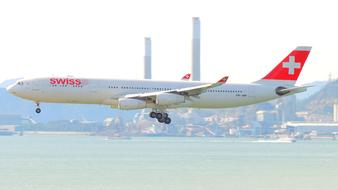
(282, 91)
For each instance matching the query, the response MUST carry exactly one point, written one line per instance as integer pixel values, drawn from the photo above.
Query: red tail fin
(291, 66)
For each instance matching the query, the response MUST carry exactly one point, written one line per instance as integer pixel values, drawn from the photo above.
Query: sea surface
(81, 163)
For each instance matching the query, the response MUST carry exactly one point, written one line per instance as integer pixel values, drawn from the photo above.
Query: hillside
(316, 87)
(321, 103)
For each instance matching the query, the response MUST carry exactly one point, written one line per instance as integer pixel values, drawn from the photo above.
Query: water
(80, 163)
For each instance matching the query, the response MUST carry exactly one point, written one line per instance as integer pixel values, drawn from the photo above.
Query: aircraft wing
(189, 91)
(196, 90)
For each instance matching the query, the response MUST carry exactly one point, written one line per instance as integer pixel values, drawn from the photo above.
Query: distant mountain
(317, 86)
(321, 103)
(10, 104)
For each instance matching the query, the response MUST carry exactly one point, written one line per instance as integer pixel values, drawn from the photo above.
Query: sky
(243, 39)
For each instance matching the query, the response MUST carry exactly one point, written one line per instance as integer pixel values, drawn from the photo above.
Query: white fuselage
(108, 92)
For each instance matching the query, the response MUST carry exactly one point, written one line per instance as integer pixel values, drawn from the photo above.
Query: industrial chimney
(196, 49)
(147, 58)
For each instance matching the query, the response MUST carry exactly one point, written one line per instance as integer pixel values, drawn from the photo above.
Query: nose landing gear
(38, 109)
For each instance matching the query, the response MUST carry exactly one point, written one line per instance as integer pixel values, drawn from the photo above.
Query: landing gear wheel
(159, 116)
(165, 115)
(161, 120)
(152, 114)
(167, 120)
(38, 110)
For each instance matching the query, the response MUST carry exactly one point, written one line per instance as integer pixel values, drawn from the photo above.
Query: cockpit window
(20, 83)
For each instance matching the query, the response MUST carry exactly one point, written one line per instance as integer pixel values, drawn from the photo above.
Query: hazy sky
(244, 39)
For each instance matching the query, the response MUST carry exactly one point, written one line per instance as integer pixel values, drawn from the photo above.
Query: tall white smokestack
(147, 58)
(196, 49)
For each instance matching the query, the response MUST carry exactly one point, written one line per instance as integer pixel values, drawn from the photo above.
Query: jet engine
(169, 99)
(280, 91)
(130, 104)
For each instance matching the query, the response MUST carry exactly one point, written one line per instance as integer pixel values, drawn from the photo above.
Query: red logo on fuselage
(65, 81)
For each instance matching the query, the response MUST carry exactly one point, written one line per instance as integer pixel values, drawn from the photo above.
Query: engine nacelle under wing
(131, 104)
(169, 99)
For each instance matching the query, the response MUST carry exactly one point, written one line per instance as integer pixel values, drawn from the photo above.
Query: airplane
(163, 95)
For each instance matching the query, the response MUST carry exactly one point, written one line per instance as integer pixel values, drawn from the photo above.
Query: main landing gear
(161, 117)
(38, 109)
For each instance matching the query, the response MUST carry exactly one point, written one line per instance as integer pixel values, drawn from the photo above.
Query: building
(322, 129)
(13, 119)
(335, 112)
(267, 120)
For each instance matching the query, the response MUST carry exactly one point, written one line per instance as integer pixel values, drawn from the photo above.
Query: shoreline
(55, 133)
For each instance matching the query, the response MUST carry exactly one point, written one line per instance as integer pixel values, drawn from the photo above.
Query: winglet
(186, 77)
(223, 80)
